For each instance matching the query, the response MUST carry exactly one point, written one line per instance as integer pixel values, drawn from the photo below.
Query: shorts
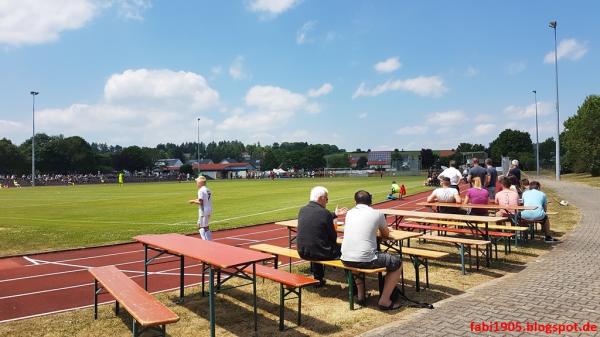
(203, 220)
(391, 262)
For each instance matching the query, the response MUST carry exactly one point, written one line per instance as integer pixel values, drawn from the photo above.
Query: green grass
(584, 178)
(59, 217)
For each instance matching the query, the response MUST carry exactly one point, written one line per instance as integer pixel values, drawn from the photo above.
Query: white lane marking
(84, 268)
(32, 261)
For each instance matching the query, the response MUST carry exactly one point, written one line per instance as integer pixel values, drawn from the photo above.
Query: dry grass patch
(582, 178)
(324, 311)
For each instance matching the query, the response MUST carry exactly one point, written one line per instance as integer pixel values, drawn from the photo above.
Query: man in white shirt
(359, 248)
(204, 203)
(445, 194)
(453, 173)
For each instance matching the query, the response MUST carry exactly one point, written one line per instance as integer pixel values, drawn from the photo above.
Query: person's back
(477, 171)
(534, 197)
(477, 195)
(316, 237)
(506, 197)
(360, 233)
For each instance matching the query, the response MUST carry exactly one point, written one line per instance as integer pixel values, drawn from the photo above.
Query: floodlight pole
(552, 25)
(537, 140)
(33, 94)
(198, 147)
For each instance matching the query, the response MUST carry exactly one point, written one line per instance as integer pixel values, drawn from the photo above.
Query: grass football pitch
(59, 217)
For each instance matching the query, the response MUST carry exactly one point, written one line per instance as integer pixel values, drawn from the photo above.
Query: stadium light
(552, 25)
(198, 147)
(33, 94)
(537, 140)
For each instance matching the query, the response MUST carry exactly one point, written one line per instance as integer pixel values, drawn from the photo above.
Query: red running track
(41, 284)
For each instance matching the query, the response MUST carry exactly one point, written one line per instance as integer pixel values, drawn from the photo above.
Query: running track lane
(53, 282)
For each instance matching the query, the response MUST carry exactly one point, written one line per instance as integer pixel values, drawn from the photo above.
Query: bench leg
(116, 308)
(134, 329)
(281, 306)
(146, 267)
(477, 251)
(299, 306)
(426, 263)
(350, 279)
(470, 259)
(181, 278)
(211, 300)
(95, 299)
(462, 258)
(203, 279)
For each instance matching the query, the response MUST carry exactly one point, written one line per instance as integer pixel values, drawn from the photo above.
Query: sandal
(392, 306)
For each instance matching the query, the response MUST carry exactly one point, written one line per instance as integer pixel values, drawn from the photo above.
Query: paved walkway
(563, 286)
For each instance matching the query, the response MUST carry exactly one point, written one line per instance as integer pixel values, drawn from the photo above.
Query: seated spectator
(359, 248)
(477, 195)
(535, 197)
(506, 197)
(316, 237)
(445, 194)
(515, 184)
(395, 192)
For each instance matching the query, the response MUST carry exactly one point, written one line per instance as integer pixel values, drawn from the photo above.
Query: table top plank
(394, 234)
(214, 253)
(445, 216)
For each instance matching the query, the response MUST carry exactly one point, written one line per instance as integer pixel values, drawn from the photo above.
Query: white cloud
(271, 8)
(480, 118)
(272, 106)
(313, 108)
(471, 71)
(236, 69)
(143, 107)
(484, 129)
(388, 66)
(515, 68)
(362, 115)
(524, 112)
(322, 91)
(143, 86)
(302, 33)
(570, 49)
(412, 130)
(446, 117)
(29, 22)
(26, 22)
(132, 9)
(422, 86)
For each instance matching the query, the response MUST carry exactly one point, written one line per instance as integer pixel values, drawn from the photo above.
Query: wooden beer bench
(146, 310)
(461, 243)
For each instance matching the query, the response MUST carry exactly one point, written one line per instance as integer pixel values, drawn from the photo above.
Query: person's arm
(457, 198)
(384, 230)
(465, 201)
(431, 197)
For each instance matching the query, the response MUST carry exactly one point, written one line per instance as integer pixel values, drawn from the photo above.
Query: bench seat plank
(146, 309)
(282, 276)
(453, 239)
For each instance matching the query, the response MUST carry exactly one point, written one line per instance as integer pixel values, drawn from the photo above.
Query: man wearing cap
(445, 194)
(204, 203)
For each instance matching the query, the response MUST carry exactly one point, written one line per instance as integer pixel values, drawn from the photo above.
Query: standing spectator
(506, 197)
(477, 195)
(204, 203)
(514, 169)
(535, 197)
(121, 178)
(453, 173)
(491, 178)
(359, 248)
(316, 237)
(476, 171)
(445, 194)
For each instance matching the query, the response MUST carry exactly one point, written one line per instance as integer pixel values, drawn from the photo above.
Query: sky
(373, 75)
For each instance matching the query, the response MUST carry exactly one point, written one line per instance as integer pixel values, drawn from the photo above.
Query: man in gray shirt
(359, 248)
(477, 171)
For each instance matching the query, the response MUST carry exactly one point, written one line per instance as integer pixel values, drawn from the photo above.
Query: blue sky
(358, 74)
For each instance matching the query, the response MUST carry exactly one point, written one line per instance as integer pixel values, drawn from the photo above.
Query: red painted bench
(146, 310)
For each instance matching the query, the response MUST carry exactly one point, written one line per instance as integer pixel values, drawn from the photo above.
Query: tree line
(580, 151)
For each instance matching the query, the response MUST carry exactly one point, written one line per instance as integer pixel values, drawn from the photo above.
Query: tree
(270, 161)
(514, 144)
(132, 159)
(361, 164)
(580, 137)
(338, 160)
(186, 169)
(427, 158)
(11, 160)
(313, 157)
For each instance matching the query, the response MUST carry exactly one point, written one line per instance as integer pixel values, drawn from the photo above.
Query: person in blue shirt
(534, 197)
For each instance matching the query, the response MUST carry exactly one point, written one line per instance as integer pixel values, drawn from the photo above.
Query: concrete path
(561, 287)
